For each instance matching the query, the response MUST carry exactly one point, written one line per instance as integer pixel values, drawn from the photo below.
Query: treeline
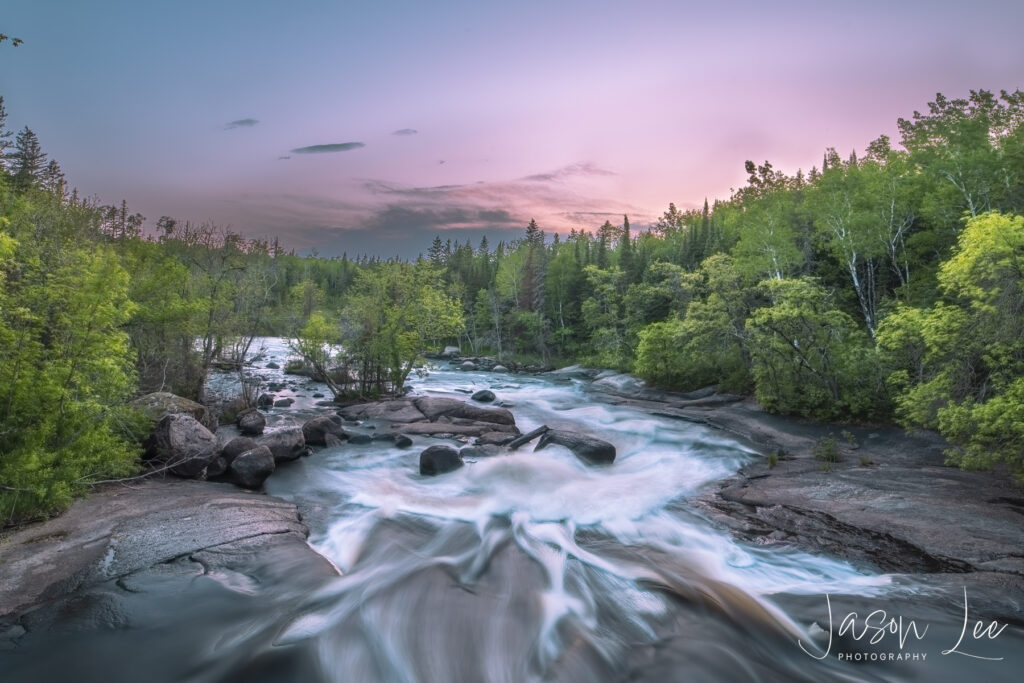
(882, 286)
(877, 287)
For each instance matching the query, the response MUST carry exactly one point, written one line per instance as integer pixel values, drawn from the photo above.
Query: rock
(234, 448)
(438, 428)
(323, 431)
(620, 384)
(439, 460)
(450, 352)
(499, 368)
(183, 443)
(402, 441)
(284, 403)
(400, 410)
(161, 403)
(358, 438)
(573, 372)
(272, 366)
(318, 395)
(434, 407)
(251, 422)
(494, 438)
(230, 410)
(265, 401)
(250, 469)
(484, 451)
(217, 468)
(467, 366)
(286, 444)
(588, 449)
(399, 440)
(484, 396)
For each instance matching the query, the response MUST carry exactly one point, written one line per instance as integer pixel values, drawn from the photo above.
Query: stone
(484, 396)
(325, 430)
(234, 448)
(251, 422)
(485, 451)
(468, 366)
(434, 407)
(250, 469)
(400, 410)
(265, 401)
(499, 368)
(156, 405)
(494, 438)
(439, 460)
(272, 366)
(450, 352)
(286, 444)
(284, 403)
(588, 449)
(183, 443)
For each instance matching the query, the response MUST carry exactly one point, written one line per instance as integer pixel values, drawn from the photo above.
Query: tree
(5, 137)
(27, 159)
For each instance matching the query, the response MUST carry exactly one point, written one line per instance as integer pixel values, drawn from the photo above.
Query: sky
(370, 127)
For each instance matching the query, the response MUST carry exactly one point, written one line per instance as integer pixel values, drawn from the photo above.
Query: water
(532, 566)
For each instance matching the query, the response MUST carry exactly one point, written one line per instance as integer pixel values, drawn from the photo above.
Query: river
(532, 566)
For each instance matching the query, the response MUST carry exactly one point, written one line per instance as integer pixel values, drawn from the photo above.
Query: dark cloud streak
(406, 131)
(241, 123)
(328, 149)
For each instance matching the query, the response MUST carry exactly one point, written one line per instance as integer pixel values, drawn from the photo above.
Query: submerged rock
(184, 444)
(484, 396)
(439, 460)
(250, 469)
(588, 449)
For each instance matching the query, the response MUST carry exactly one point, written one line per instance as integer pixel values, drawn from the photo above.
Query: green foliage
(826, 449)
(65, 363)
(810, 358)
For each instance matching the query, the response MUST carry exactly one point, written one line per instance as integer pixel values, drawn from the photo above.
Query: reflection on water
(514, 568)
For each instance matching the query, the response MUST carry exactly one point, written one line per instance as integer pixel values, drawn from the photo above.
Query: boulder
(401, 410)
(450, 352)
(251, 422)
(323, 431)
(265, 401)
(156, 405)
(217, 468)
(234, 448)
(484, 396)
(357, 438)
(272, 366)
(184, 444)
(433, 408)
(588, 449)
(439, 460)
(468, 365)
(499, 368)
(286, 444)
(402, 441)
(230, 410)
(250, 469)
(494, 438)
(284, 403)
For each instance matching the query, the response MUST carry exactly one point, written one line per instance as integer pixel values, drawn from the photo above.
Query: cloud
(283, 157)
(327, 149)
(241, 123)
(405, 131)
(582, 169)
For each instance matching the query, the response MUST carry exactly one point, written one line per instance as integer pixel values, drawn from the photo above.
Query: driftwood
(526, 438)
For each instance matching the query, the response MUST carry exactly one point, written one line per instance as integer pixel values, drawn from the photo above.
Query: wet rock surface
(172, 527)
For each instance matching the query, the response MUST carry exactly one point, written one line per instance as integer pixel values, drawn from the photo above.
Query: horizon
(370, 130)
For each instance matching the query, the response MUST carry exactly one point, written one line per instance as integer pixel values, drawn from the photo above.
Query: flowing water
(527, 567)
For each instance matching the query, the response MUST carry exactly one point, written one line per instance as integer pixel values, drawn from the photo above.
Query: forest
(885, 286)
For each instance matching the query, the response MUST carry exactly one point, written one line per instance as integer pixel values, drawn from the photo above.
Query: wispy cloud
(405, 131)
(328, 149)
(573, 170)
(241, 123)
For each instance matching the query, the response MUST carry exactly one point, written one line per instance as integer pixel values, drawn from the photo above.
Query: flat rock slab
(123, 530)
(400, 410)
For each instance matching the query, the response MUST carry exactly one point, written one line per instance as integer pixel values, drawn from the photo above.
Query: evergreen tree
(5, 137)
(27, 159)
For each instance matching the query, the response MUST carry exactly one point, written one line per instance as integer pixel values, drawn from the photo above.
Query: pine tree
(27, 160)
(52, 178)
(533, 233)
(436, 251)
(626, 249)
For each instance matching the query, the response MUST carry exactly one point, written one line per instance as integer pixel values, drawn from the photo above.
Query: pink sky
(568, 112)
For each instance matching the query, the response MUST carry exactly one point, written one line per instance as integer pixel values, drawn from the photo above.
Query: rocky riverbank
(153, 535)
(875, 495)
